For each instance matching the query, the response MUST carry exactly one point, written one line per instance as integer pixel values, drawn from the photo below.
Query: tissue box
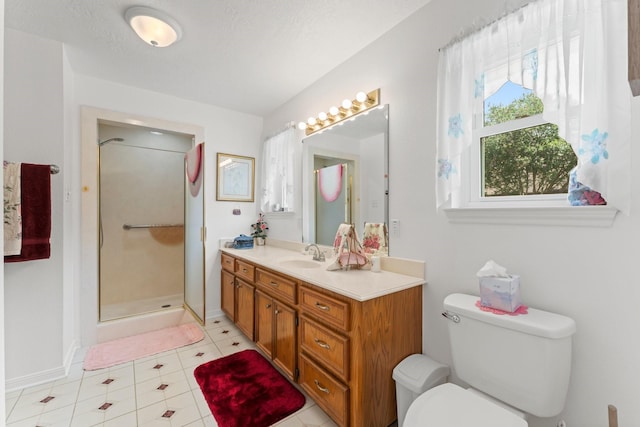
(502, 293)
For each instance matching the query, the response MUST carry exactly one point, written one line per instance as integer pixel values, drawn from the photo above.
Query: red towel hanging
(35, 185)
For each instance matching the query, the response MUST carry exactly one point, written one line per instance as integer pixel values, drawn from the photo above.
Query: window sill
(570, 216)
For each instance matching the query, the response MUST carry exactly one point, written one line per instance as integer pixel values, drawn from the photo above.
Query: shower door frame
(90, 118)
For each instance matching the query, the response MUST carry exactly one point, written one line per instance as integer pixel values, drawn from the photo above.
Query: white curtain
(573, 55)
(278, 162)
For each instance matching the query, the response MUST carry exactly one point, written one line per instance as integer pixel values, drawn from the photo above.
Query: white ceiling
(246, 55)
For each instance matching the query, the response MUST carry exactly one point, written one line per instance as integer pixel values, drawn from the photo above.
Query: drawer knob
(274, 284)
(244, 270)
(322, 389)
(267, 306)
(322, 344)
(322, 306)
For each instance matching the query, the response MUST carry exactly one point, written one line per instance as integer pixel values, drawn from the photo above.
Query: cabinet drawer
(227, 262)
(329, 394)
(244, 270)
(283, 288)
(327, 347)
(331, 310)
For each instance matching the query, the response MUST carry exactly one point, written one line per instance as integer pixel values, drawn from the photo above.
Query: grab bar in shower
(131, 226)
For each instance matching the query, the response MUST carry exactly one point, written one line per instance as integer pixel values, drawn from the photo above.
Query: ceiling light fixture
(153, 26)
(348, 109)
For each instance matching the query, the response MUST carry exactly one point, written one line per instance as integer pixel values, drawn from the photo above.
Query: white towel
(12, 211)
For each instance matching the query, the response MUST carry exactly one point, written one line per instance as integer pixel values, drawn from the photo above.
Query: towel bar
(131, 226)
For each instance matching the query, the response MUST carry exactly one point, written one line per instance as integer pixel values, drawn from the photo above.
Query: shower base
(134, 308)
(139, 324)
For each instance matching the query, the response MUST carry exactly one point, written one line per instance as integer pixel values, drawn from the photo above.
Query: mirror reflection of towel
(330, 182)
(35, 187)
(375, 237)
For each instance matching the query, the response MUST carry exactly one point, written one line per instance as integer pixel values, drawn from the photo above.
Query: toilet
(514, 366)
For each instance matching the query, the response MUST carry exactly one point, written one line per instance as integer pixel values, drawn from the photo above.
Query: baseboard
(49, 375)
(213, 314)
(35, 379)
(69, 359)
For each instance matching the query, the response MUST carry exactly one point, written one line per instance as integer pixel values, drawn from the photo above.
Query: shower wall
(141, 183)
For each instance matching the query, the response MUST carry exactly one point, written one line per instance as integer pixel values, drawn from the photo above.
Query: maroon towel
(35, 185)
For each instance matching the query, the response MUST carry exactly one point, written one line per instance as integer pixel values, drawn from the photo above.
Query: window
(520, 154)
(579, 78)
(571, 54)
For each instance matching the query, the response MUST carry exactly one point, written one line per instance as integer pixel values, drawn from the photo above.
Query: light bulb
(302, 125)
(361, 97)
(334, 111)
(322, 116)
(312, 121)
(346, 104)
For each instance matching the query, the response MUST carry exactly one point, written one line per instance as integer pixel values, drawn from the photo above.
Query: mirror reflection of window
(278, 172)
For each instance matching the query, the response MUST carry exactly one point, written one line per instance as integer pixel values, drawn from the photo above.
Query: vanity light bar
(348, 109)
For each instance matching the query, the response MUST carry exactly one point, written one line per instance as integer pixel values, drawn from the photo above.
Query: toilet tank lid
(535, 322)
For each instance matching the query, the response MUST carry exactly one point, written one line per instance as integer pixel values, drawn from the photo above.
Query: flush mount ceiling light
(153, 26)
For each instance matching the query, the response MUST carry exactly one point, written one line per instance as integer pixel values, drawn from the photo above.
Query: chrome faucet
(318, 254)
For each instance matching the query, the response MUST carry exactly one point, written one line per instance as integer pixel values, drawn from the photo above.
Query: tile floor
(159, 390)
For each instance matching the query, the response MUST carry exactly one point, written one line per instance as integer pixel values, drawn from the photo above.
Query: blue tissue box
(502, 293)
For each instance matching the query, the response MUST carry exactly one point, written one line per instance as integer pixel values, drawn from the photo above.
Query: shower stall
(141, 217)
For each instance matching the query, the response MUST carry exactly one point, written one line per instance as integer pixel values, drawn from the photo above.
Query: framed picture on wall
(235, 178)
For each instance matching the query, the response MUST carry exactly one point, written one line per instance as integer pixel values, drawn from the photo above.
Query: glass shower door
(195, 232)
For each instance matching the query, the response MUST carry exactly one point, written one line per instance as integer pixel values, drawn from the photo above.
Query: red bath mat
(126, 349)
(244, 389)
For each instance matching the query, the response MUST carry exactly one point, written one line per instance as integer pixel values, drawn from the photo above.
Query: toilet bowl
(449, 405)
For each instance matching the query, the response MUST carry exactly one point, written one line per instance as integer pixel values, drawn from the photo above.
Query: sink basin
(300, 263)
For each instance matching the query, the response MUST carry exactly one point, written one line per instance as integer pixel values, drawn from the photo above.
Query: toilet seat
(449, 405)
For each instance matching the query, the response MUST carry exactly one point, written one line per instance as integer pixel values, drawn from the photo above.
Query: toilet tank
(523, 360)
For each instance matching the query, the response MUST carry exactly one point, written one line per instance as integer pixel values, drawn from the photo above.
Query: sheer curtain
(573, 55)
(278, 162)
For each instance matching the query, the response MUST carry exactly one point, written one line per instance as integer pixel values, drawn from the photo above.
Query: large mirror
(345, 178)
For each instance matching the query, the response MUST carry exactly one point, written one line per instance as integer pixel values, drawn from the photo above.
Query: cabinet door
(244, 307)
(264, 323)
(228, 286)
(285, 346)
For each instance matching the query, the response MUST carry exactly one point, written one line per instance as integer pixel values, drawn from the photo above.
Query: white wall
(48, 305)
(2, 321)
(34, 133)
(585, 273)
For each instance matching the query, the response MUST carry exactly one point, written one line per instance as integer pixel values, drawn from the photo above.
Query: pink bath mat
(126, 349)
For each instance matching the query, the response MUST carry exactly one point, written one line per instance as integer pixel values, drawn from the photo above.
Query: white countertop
(360, 285)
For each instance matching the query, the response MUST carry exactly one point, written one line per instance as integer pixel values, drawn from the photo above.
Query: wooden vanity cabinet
(340, 350)
(276, 321)
(237, 293)
(348, 350)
